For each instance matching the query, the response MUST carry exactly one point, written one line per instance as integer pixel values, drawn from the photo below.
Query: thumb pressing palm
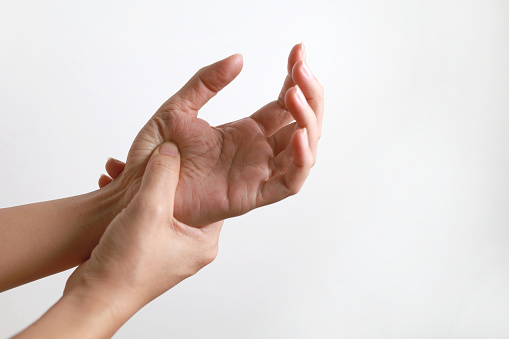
(145, 251)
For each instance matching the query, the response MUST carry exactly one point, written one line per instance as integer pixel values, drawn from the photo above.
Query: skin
(143, 253)
(162, 213)
(231, 169)
(226, 171)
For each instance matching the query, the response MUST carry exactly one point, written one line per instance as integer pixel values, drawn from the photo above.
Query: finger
(289, 182)
(280, 163)
(312, 89)
(298, 53)
(206, 83)
(274, 116)
(114, 167)
(303, 115)
(104, 180)
(160, 179)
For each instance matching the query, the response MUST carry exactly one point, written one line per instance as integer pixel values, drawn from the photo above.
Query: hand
(231, 169)
(145, 251)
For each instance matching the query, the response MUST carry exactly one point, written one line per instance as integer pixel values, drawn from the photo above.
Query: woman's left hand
(145, 251)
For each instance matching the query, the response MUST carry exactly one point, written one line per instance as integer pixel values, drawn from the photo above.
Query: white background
(402, 228)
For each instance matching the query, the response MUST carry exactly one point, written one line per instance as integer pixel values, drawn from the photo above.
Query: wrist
(118, 194)
(94, 211)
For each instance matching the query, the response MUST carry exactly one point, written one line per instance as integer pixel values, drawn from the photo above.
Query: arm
(230, 169)
(144, 252)
(75, 317)
(45, 238)
(227, 170)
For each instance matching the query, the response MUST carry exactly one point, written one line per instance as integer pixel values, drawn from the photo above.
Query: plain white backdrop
(401, 230)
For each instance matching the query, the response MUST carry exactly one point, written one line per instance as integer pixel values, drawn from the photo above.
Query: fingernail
(307, 70)
(300, 95)
(168, 148)
(303, 50)
(306, 134)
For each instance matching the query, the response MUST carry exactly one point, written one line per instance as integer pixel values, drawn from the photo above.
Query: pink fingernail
(168, 148)
(306, 134)
(307, 70)
(303, 50)
(300, 95)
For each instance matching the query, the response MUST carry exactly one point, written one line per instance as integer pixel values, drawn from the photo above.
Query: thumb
(161, 176)
(207, 82)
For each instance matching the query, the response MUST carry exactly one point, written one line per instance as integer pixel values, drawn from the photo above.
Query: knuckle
(149, 211)
(156, 210)
(215, 80)
(207, 256)
(180, 102)
(171, 105)
(293, 189)
(212, 254)
(281, 101)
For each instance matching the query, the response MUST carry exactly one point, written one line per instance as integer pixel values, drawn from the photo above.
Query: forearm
(45, 238)
(75, 317)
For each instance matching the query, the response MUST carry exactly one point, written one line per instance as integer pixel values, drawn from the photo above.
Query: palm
(223, 169)
(226, 170)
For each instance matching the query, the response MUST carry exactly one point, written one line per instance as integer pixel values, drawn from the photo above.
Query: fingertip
(296, 54)
(303, 50)
(166, 159)
(205, 84)
(292, 93)
(110, 160)
(114, 167)
(297, 103)
(161, 175)
(104, 180)
(235, 63)
(238, 57)
(169, 148)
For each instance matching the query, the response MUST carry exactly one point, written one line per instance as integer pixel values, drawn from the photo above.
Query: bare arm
(75, 317)
(143, 253)
(226, 171)
(48, 237)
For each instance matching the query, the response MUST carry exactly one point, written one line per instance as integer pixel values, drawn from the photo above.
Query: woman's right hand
(231, 169)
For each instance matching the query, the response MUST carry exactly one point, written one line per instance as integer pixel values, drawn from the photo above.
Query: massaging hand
(145, 251)
(231, 169)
